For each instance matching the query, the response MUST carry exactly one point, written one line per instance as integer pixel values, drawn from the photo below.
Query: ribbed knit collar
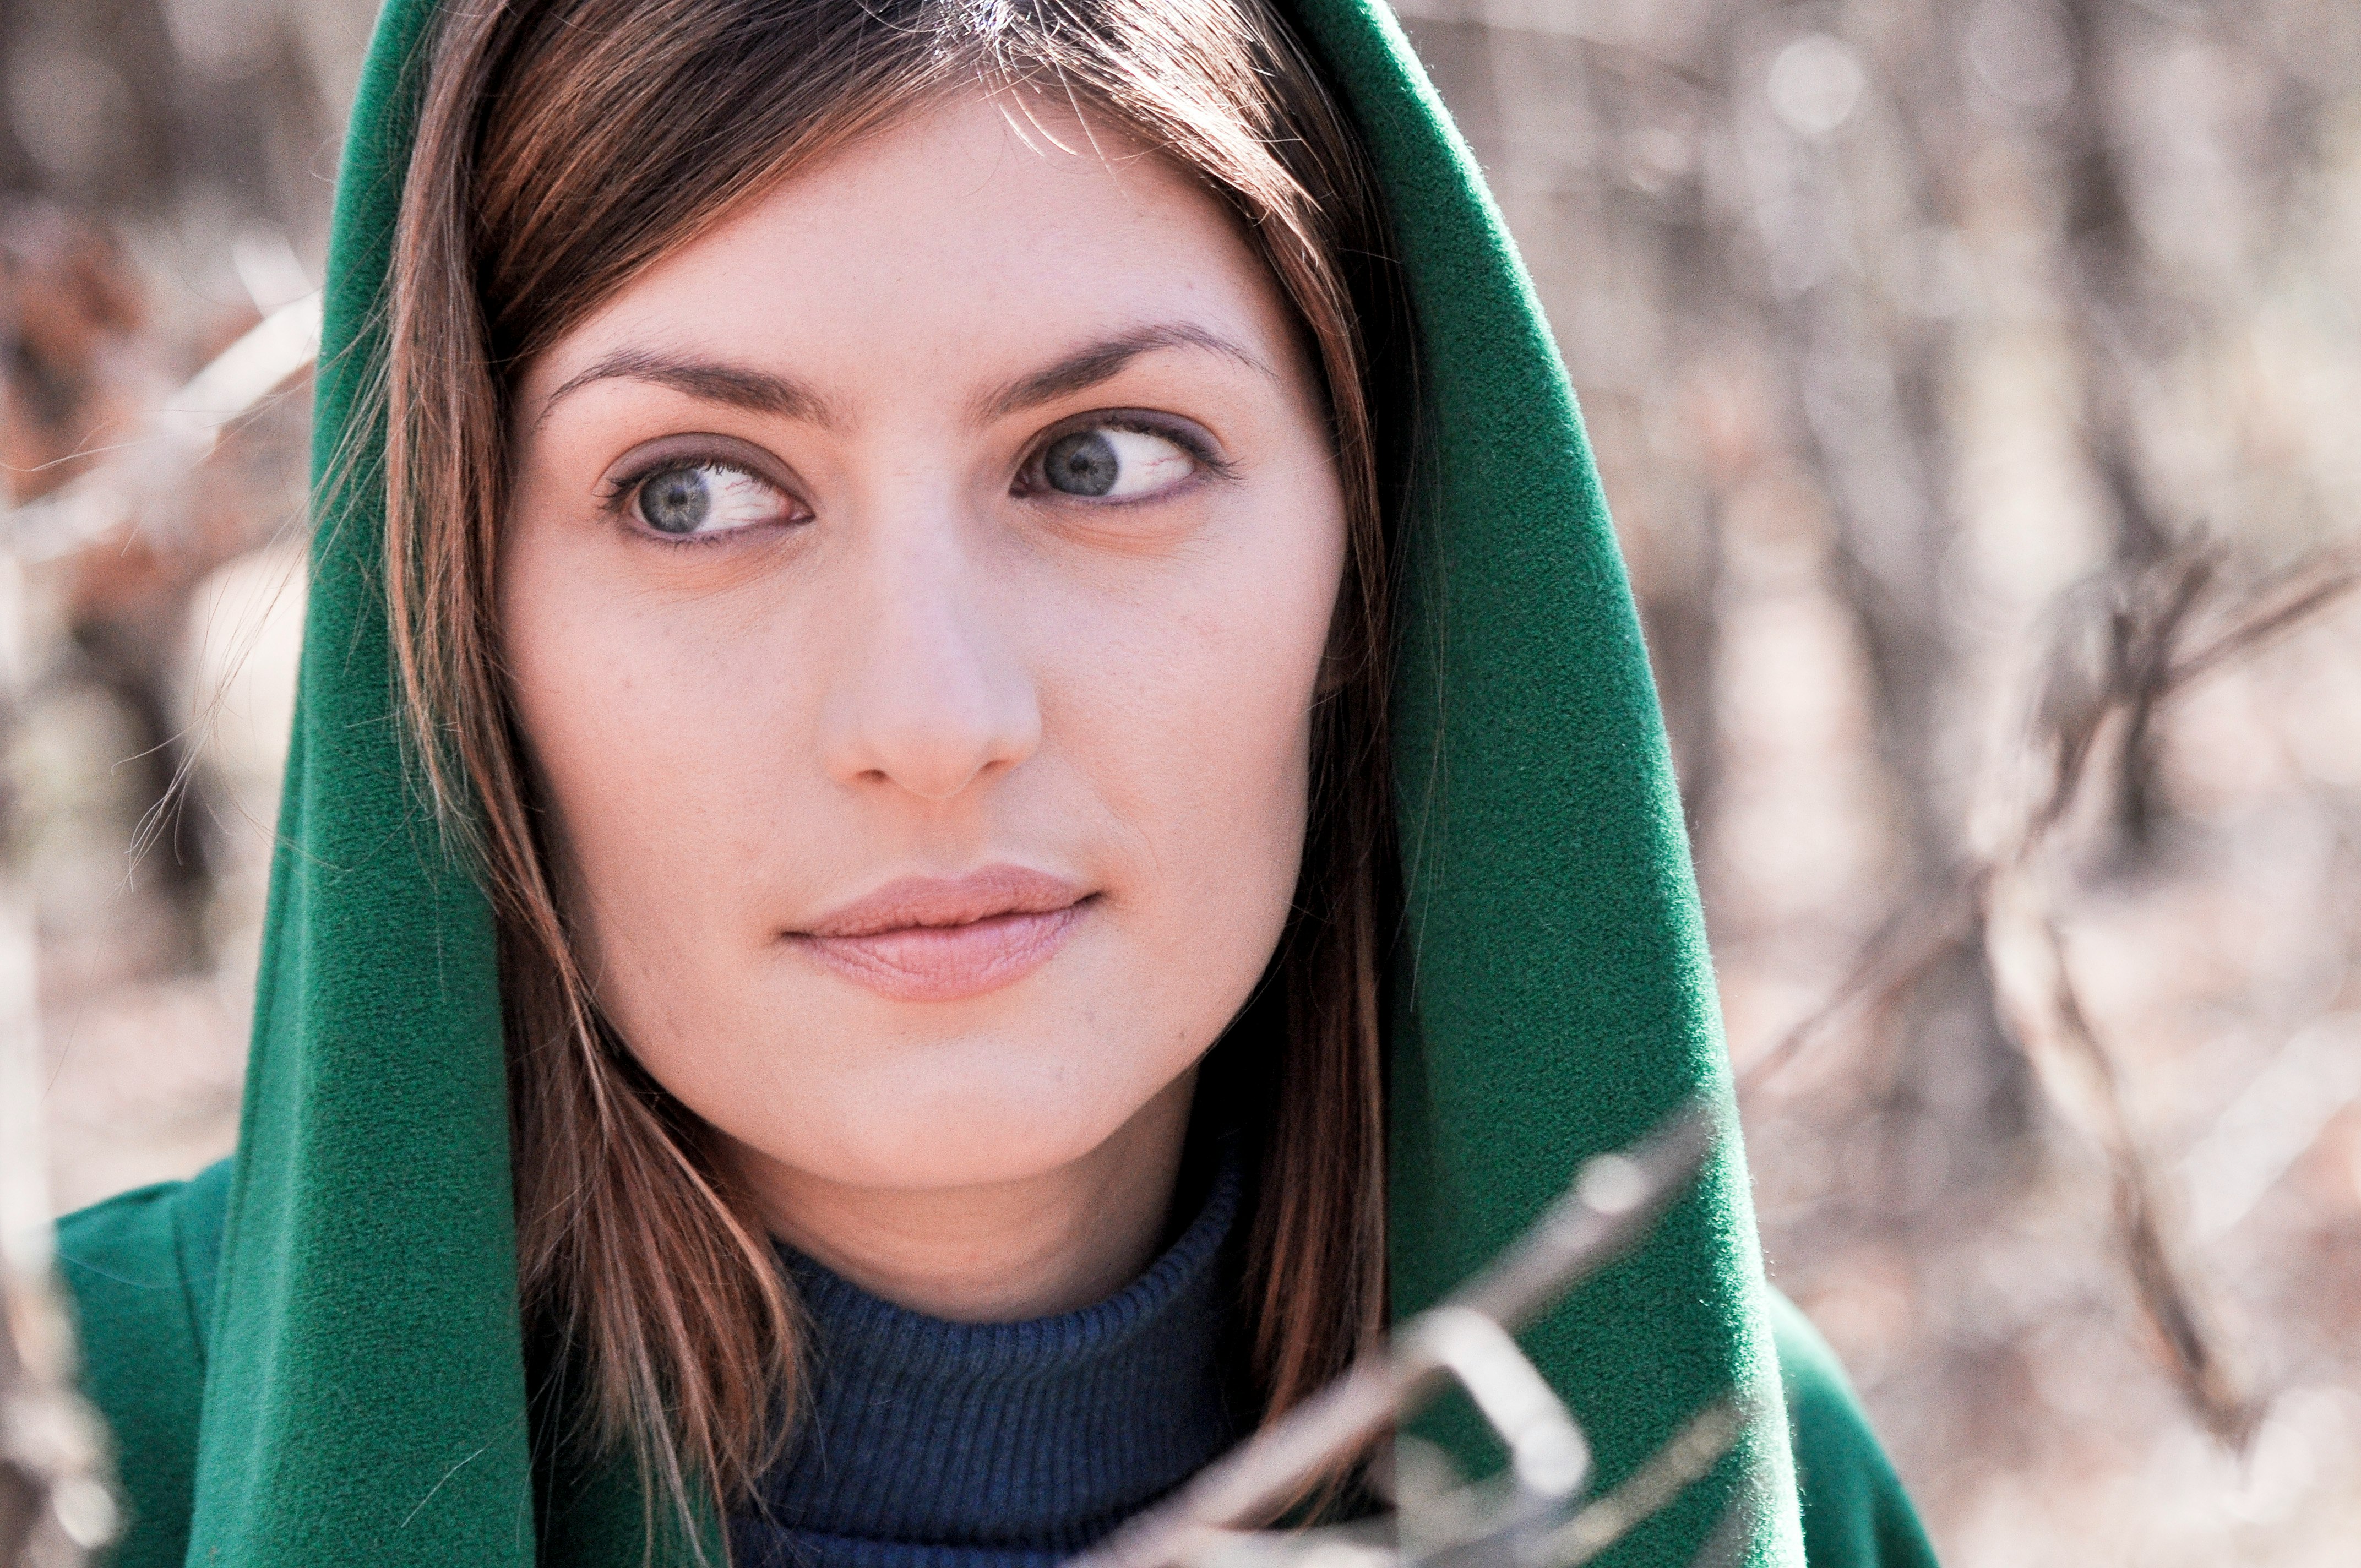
(937, 1444)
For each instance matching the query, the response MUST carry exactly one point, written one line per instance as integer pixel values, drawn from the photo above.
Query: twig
(2143, 650)
(124, 486)
(1611, 1206)
(1669, 1471)
(2143, 669)
(2276, 1120)
(2333, 575)
(2086, 1080)
(2148, 661)
(1913, 940)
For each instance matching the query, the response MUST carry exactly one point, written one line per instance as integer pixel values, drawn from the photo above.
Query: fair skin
(914, 599)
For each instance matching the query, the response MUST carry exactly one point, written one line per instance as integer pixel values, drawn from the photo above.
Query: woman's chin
(992, 1138)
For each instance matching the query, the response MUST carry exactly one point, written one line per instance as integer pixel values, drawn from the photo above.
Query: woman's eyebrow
(1094, 363)
(740, 386)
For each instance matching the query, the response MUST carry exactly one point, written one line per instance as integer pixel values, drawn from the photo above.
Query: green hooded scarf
(312, 1355)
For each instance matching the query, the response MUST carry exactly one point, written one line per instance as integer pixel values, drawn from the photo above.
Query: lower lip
(946, 963)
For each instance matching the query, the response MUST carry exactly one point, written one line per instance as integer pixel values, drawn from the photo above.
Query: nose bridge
(932, 693)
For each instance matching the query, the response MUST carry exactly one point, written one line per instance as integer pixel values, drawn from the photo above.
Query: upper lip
(923, 901)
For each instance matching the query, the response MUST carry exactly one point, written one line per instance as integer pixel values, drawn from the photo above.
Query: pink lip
(946, 939)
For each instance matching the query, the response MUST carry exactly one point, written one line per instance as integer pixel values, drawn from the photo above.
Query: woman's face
(914, 601)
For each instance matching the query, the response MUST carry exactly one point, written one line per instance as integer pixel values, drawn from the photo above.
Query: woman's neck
(997, 1251)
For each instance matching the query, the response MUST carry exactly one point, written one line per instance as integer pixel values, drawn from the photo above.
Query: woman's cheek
(628, 735)
(1220, 725)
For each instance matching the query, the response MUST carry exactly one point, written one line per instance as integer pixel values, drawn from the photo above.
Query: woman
(850, 979)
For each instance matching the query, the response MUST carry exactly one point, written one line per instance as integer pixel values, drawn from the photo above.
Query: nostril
(932, 697)
(938, 761)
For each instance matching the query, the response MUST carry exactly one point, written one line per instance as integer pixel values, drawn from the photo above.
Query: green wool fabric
(314, 1357)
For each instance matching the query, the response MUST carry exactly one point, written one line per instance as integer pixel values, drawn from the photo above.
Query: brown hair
(563, 146)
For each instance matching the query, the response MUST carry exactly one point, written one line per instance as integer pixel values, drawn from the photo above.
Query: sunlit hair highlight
(563, 146)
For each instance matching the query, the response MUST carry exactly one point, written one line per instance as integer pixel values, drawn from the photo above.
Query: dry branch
(1905, 950)
(2088, 722)
(2086, 1082)
(1613, 1202)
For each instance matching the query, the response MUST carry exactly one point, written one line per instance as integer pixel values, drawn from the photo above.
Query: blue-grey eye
(676, 500)
(1083, 464)
(692, 499)
(1106, 464)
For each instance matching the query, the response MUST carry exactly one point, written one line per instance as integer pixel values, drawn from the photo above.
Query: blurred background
(1978, 385)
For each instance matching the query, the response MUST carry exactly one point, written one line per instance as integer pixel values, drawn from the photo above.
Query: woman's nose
(932, 696)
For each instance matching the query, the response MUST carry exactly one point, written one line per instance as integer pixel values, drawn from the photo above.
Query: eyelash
(617, 498)
(1200, 450)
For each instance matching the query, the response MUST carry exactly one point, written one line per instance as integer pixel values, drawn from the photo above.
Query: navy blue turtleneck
(935, 1444)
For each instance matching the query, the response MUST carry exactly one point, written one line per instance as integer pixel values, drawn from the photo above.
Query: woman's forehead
(972, 244)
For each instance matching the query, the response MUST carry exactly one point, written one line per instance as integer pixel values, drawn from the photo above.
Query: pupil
(675, 501)
(1083, 464)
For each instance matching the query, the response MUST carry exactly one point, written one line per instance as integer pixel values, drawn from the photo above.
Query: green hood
(358, 1357)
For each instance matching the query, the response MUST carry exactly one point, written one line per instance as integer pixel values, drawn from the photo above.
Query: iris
(676, 500)
(1083, 464)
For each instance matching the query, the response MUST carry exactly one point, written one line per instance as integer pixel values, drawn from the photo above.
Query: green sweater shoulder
(1856, 1514)
(140, 1270)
